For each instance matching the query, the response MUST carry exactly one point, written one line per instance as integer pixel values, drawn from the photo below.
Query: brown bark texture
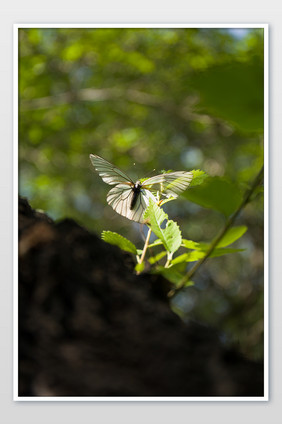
(88, 326)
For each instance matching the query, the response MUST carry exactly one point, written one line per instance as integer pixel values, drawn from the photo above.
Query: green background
(146, 99)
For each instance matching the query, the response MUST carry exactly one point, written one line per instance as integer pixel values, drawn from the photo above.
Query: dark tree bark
(88, 326)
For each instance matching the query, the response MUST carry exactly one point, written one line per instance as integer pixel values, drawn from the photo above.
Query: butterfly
(131, 199)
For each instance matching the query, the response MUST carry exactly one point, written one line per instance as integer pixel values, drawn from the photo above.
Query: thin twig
(114, 94)
(145, 248)
(213, 245)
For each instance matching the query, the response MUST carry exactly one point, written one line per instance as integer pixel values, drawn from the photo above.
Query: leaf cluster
(168, 242)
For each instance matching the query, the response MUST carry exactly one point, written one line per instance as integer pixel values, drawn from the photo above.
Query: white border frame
(16, 27)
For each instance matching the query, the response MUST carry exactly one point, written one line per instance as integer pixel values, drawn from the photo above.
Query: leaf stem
(169, 258)
(228, 224)
(145, 248)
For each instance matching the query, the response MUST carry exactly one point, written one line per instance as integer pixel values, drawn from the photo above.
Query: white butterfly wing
(171, 184)
(120, 198)
(109, 173)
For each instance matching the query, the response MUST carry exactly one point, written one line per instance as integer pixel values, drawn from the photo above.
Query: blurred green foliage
(144, 99)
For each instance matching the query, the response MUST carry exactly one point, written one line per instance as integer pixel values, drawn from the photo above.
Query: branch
(92, 95)
(145, 248)
(183, 111)
(228, 224)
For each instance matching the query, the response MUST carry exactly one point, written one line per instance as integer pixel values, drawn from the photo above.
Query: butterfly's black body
(136, 192)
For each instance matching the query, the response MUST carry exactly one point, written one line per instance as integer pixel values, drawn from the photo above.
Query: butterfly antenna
(149, 173)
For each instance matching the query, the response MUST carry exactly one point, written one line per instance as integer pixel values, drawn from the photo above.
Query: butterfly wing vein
(171, 184)
(120, 197)
(109, 173)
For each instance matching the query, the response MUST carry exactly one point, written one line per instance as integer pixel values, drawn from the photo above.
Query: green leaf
(168, 199)
(189, 283)
(181, 258)
(156, 258)
(118, 240)
(190, 244)
(216, 193)
(195, 255)
(232, 235)
(224, 251)
(155, 215)
(140, 267)
(234, 92)
(173, 275)
(170, 274)
(198, 177)
(157, 242)
(170, 235)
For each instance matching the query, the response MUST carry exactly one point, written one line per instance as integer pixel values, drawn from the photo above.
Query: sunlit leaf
(118, 240)
(157, 242)
(232, 235)
(195, 255)
(156, 258)
(198, 177)
(190, 244)
(169, 199)
(188, 257)
(139, 267)
(170, 235)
